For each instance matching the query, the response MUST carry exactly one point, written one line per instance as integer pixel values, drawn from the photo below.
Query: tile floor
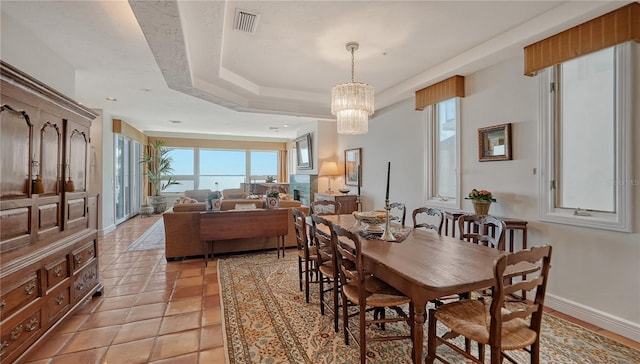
(154, 311)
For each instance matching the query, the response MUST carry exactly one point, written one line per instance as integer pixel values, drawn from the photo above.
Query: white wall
(22, 50)
(595, 274)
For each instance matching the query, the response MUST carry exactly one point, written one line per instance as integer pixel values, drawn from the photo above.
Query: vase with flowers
(481, 200)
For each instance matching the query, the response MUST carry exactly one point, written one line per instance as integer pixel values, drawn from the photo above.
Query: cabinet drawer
(57, 303)
(26, 291)
(14, 335)
(83, 256)
(56, 272)
(86, 280)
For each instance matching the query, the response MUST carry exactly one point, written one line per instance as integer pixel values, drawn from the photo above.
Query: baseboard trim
(106, 230)
(602, 319)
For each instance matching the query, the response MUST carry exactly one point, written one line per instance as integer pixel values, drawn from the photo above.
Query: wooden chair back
(398, 212)
(325, 207)
(503, 289)
(322, 229)
(300, 225)
(437, 219)
(347, 258)
(482, 229)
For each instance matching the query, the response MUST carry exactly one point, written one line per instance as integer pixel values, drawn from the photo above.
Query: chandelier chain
(353, 65)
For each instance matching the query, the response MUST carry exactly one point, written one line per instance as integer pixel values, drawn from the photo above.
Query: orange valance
(443, 90)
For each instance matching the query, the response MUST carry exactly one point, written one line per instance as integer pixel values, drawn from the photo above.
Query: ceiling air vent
(246, 21)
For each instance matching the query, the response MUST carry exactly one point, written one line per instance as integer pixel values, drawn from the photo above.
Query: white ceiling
(182, 60)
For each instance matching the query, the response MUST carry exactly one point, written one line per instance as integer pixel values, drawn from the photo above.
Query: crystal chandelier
(352, 102)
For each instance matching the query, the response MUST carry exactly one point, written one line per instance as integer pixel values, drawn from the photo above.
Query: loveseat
(182, 229)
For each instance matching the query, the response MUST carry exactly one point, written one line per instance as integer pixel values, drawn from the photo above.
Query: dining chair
(435, 219)
(513, 327)
(307, 255)
(398, 212)
(482, 229)
(327, 266)
(368, 293)
(325, 207)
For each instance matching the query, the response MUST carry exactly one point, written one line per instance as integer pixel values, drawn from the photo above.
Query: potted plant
(273, 199)
(482, 200)
(158, 165)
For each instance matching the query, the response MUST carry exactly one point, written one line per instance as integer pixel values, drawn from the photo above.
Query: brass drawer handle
(91, 252)
(16, 332)
(3, 346)
(60, 299)
(32, 324)
(30, 288)
(2, 304)
(78, 259)
(80, 287)
(57, 271)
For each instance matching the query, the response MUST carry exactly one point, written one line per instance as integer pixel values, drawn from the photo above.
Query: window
(197, 168)
(585, 134)
(442, 162)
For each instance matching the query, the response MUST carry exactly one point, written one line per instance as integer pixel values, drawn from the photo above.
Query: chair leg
(496, 356)
(535, 351)
(321, 285)
(431, 338)
(300, 272)
(481, 352)
(307, 276)
(335, 304)
(363, 334)
(345, 317)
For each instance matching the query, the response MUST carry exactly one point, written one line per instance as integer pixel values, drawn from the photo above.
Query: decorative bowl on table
(371, 221)
(344, 190)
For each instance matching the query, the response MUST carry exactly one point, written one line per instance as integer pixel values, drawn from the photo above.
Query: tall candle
(359, 178)
(388, 174)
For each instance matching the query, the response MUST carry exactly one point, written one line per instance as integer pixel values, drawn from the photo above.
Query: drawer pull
(91, 252)
(32, 324)
(30, 288)
(80, 287)
(78, 259)
(16, 332)
(60, 299)
(57, 271)
(3, 346)
(2, 304)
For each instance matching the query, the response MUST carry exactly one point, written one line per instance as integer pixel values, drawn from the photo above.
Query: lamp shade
(329, 169)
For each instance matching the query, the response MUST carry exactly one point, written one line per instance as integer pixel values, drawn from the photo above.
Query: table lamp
(329, 169)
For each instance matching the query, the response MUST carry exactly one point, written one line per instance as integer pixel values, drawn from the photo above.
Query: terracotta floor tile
(145, 298)
(124, 289)
(211, 288)
(72, 323)
(110, 282)
(184, 305)
(211, 301)
(185, 292)
(44, 361)
(129, 353)
(105, 318)
(211, 337)
(171, 345)
(91, 339)
(213, 356)
(86, 356)
(145, 312)
(114, 303)
(51, 346)
(181, 322)
(111, 273)
(211, 316)
(182, 359)
(138, 330)
(134, 278)
(190, 281)
(143, 270)
(157, 286)
(191, 272)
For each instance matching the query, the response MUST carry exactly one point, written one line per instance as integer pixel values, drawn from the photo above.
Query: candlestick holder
(387, 235)
(358, 203)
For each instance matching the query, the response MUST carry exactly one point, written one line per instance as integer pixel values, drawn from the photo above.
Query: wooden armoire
(48, 237)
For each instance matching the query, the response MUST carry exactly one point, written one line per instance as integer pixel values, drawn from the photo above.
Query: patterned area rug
(266, 320)
(152, 239)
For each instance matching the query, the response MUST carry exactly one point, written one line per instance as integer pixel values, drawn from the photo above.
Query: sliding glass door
(127, 177)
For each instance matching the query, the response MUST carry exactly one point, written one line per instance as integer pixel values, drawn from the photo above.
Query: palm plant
(158, 164)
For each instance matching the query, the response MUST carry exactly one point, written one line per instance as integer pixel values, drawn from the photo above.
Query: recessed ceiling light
(286, 125)
(145, 89)
(176, 121)
(111, 99)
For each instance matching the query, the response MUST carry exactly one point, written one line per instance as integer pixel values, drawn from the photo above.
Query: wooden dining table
(425, 266)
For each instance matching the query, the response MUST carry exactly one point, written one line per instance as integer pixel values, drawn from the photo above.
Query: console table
(236, 224)
(348, 203)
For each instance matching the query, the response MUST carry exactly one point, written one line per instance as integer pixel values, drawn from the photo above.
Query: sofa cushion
(184, 199)
(200, 195)
(190, 207)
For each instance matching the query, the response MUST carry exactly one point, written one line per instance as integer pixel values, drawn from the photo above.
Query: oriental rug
(266, 320)
(151, 239)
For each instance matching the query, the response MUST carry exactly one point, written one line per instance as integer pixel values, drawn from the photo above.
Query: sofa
(182, 229)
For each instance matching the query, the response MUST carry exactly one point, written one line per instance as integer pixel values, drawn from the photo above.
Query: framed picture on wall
(304, 153)
(353, 167)
(494, 143)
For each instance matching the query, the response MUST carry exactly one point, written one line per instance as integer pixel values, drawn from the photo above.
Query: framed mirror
(494, 143)
(304, 152)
